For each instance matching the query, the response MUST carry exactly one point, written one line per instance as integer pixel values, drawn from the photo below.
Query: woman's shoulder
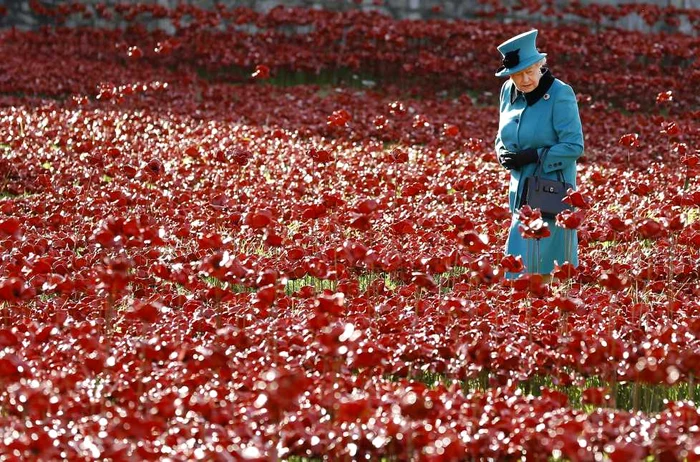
(560, 85)
(506, 87)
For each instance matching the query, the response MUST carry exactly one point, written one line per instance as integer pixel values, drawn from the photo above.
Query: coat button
(517, 121)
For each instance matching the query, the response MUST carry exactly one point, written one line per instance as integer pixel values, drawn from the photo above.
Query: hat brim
(521, 66)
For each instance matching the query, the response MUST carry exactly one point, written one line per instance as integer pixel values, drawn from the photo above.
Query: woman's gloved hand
(516, 160)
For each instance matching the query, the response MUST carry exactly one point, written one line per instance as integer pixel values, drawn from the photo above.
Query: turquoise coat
(547, 116)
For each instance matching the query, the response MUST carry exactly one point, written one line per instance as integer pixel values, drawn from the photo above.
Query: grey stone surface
(20, 15)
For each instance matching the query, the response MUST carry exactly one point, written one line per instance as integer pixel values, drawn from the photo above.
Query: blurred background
(650, 15)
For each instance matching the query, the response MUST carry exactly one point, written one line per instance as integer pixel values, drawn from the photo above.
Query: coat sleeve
(567, 126)
(500, 147)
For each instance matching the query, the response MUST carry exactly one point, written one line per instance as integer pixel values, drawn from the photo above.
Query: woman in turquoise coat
(537, 111)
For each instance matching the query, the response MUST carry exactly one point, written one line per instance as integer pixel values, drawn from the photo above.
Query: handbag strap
(540, 163)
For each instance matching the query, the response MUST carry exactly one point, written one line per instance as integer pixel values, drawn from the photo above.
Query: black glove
(516, 160)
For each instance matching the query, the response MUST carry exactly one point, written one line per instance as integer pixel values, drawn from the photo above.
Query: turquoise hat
(519, 53)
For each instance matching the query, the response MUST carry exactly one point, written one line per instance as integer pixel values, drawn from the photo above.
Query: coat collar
(535, 95)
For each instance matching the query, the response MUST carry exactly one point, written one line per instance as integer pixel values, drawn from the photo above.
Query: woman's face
(528, 79)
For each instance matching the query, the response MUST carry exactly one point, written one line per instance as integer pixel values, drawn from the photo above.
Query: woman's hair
(539, 64)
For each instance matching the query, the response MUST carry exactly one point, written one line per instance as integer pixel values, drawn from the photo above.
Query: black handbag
(543, 193)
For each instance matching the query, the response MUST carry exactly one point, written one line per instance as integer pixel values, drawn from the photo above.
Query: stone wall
(19, 14)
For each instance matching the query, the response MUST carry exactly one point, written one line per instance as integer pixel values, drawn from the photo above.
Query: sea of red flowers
(281, 236)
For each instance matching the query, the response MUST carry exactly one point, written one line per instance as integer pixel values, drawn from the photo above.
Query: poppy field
(280, 236)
